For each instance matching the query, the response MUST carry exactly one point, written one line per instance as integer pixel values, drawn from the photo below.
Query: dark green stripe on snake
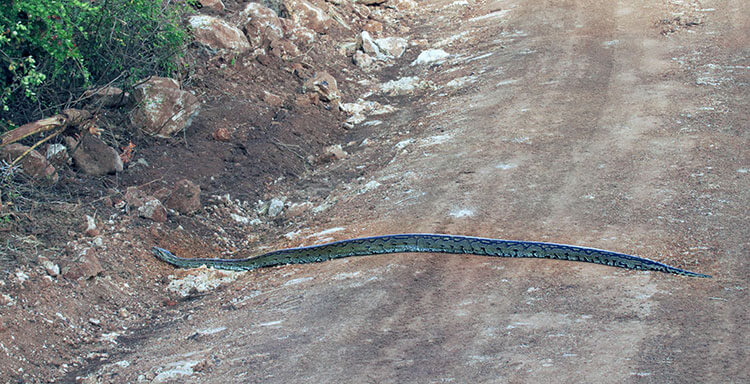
(431, 243)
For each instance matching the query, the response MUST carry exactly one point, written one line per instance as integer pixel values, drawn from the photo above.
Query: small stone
(133, 197)
(336, 152)
(367, 44)
(57, 155)
(284, 49)
(361, 11)
(51, 268)
(404, 85)
(153, 210)
(94, 321)
(299, 34)
(85, 266)
(347, 48)
(403, 5)
(363, 60)
(215, 5)
(304, 13)
(373, 26)
(392, 46)
(91, 230)
(431, 56)
(275, 207)
(222, 134)
(141, 162)
(185, 198)
(325, 85)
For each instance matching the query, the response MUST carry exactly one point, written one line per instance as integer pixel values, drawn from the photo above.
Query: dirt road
(600, 123)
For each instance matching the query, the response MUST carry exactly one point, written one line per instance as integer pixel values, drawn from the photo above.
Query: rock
(91, 230)
(153, 210)
(431, 56)
(336, 152)
(107, 97)
(363, 60)
(85, 266)
(215, 5)
(298, 209)
(360, 10)
(134, 197)
(57, 155)
(332, 153)
(51, 268)
(367, 44)
(392, 46)
(217, 34)
(358, 111)
(371, 2)
(185, 197)
(347, 48)
(325, 85)
(222, 134)
(403, 86)
(260, 22)
(284, 49)
(373, 26)
(304, 13)
(33, 164)
(403, 5)
(272, 100)
(163, 108)
(162, 194)
(199, 280)
(93, 157)
(306, 99)
(275, 207)
(298, 33)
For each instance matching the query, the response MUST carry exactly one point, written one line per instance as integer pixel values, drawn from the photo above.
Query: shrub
(50, 50)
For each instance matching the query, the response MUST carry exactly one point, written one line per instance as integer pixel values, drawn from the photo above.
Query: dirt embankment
(612, 125)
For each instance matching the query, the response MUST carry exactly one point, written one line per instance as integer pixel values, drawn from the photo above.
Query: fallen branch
(68, 117)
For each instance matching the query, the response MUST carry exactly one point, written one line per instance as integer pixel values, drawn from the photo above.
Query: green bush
(51, 50)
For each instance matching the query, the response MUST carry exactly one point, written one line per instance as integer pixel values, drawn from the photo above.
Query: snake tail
(431, 243)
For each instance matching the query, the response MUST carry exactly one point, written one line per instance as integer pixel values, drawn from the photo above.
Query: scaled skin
(431, 243)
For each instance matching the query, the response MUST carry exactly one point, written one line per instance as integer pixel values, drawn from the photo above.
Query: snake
(426, 243)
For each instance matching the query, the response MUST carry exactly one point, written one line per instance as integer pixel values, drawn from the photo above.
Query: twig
(282, 146)
(38, 143)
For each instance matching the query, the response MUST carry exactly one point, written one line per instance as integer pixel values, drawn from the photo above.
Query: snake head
(162, 254)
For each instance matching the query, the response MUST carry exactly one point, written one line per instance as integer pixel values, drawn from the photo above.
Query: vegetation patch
(51, 50)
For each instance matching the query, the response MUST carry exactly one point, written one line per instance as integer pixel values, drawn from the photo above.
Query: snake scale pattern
(431, 243)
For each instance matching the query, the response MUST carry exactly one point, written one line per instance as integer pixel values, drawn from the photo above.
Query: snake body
(431, 243)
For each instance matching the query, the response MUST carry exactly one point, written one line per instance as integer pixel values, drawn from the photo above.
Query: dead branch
(68, 117)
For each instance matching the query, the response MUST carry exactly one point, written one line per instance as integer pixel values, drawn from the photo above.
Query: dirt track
(584, 125)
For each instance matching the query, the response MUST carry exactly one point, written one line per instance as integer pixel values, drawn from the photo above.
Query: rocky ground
(616, 125)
